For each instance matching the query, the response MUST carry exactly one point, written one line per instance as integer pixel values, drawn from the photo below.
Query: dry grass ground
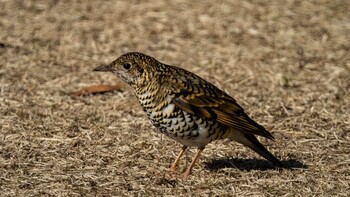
(286, 62)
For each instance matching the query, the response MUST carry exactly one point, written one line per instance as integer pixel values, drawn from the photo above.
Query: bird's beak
(104, 68)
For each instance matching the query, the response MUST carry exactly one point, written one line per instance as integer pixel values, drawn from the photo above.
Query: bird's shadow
(252, 164)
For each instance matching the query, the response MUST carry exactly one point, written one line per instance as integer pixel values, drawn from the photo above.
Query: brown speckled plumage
(187, 108)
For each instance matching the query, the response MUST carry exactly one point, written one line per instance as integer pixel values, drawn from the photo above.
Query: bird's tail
(252, 142)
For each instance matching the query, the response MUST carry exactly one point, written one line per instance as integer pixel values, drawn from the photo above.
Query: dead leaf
(97, 89)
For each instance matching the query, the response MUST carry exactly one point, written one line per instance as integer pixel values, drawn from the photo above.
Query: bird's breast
(185, 128)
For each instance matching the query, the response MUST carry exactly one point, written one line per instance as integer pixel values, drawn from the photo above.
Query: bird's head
(134, 68)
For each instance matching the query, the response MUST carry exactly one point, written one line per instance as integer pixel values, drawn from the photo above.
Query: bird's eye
(126, 66)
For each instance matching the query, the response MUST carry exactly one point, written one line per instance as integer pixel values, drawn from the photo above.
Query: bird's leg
(177, 160)
(188, 171)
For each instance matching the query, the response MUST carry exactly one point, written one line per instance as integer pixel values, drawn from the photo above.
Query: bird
(187, 108)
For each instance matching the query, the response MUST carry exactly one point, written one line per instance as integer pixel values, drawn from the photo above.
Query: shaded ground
(286, 63)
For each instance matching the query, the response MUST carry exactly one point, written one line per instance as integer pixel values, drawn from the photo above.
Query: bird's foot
(172, 170)
(185, 174)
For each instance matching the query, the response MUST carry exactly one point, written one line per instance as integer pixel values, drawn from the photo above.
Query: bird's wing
(197, 96)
